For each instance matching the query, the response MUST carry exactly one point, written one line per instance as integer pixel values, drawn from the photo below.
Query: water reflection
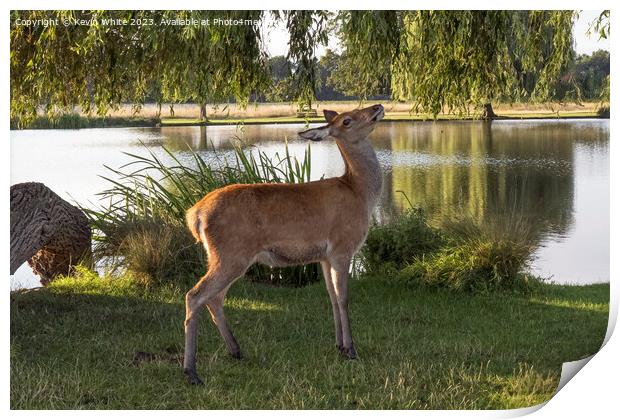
(556, 173)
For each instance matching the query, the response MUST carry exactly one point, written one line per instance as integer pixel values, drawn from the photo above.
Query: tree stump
(49, 233)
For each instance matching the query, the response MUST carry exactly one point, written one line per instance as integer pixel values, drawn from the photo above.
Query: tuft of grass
(479, 257)
(142, 225)
(73, 346)
(461, 254)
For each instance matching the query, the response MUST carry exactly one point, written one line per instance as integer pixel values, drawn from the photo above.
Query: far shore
(285, 113)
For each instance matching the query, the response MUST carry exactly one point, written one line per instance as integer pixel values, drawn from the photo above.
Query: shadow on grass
(418, 349)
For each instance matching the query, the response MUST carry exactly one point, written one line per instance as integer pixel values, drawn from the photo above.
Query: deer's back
(290, 220)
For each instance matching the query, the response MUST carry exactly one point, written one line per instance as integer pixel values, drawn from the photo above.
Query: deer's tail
(192, 218)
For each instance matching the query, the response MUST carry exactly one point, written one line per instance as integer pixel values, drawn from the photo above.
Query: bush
(461, 254)
(477, 257)
(142, 228)
(397, 243)
(480, 267)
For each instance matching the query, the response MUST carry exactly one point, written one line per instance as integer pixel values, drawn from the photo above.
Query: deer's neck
(362, 172)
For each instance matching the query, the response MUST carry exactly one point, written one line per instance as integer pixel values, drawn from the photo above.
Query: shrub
(394, 244)
(142, 228)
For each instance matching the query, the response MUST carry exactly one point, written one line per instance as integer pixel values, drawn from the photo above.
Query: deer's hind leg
(216, 282)
(216, 308)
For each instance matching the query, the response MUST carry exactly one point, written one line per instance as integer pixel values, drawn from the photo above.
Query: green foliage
(477, 258)
(397, 243)
(281, 88)
(585, 78)
(480, 267)
(99, 66)
(142, 226)
(307, 29)
(210, 63)
(449, 60)
(342, 75)
(371, 40)
(460, 255)
(601, 25)
(439, 59)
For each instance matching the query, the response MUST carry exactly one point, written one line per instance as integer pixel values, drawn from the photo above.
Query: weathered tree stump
(49, 233)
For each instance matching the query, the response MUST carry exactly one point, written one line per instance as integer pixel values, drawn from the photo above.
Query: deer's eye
(346, 122)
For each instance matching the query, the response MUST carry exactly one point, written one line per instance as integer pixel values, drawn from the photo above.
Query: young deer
(288, 224)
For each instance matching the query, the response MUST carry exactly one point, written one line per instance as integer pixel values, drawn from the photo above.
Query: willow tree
(307, 30)
(451, 60)
(212, 63)
(98, 66)
(60, 67)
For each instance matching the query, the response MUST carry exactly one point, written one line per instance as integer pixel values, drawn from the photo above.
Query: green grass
(388, 118)
(76, 121)
(73, 344)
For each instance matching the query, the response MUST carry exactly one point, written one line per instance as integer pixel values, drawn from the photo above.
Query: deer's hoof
(193, 378)
(349, 353)
(237, 355)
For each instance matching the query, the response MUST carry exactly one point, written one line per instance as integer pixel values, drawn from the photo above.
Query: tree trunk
(203, 112)
(487, 112)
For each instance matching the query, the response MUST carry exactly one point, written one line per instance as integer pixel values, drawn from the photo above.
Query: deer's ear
(315, 134)
(329, 115)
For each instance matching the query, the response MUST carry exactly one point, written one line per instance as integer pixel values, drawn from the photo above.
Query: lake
(555, 172)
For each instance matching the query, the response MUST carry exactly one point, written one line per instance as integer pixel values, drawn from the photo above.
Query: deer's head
(350, 127)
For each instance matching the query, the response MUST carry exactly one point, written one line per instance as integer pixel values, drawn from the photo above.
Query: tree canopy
(98, 64)
(439, 60)
(453, 59)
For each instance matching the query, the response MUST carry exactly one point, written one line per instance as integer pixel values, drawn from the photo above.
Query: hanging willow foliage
(371, 41)
(450, 60)
(307, 30)
(440, 60)
(101, 66)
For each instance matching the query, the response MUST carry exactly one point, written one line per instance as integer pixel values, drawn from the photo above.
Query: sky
(277, 37)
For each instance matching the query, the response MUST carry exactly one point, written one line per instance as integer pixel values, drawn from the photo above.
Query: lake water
(554, 172)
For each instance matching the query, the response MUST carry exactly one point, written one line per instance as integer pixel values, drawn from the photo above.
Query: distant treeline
(587, 78)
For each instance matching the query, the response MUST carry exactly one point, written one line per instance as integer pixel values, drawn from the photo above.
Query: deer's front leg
(329, 284)
(340, 278)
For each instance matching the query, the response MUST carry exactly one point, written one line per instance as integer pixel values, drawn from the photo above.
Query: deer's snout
(377, 113)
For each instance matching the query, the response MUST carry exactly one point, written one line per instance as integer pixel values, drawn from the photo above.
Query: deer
(281, 224)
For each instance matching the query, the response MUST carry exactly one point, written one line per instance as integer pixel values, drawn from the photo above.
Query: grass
(284, 113)
(77, 121)
(103, 343)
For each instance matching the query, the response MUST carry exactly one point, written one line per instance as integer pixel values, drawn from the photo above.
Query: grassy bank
(74, 345)
(284, 113)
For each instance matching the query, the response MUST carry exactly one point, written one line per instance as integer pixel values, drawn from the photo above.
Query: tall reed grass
(141, 225)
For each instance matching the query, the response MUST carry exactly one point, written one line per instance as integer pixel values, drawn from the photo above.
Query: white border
(593, 393)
